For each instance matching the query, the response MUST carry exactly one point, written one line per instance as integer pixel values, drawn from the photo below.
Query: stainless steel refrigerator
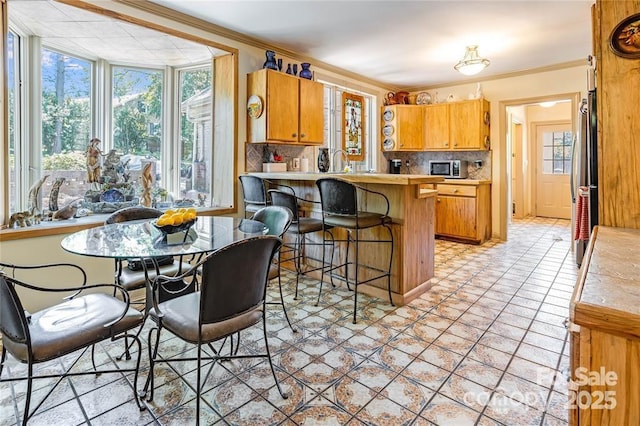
(584, 185)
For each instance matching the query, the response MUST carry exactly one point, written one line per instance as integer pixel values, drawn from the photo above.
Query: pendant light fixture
(472, 63)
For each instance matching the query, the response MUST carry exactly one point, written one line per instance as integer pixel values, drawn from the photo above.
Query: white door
(553, 193)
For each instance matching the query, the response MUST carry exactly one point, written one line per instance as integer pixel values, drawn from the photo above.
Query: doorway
(526, 194)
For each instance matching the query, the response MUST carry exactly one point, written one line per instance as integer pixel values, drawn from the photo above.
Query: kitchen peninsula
(412, 209)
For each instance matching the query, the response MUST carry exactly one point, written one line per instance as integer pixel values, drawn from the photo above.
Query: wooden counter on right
(605, 331)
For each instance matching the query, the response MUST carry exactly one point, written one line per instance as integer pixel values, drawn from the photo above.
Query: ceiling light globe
(472, 63)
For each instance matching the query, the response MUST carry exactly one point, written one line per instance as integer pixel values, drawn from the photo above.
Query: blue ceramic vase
(305, 72)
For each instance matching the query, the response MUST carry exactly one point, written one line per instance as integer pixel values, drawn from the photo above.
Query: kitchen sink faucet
(345, 159)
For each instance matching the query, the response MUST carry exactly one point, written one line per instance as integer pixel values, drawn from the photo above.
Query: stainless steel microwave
(455, 169)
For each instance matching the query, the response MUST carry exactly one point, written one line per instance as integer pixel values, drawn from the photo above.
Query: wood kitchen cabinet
(402, 128)
(463, 211)
(292, 109)
(604, 331)
(460, 125)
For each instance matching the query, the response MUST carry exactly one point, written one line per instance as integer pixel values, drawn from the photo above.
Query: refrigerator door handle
(574, 161)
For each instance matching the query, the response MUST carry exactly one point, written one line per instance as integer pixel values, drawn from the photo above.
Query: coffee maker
(394, 166)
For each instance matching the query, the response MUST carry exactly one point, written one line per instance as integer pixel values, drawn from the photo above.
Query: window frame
(334, 126)
(226, 135)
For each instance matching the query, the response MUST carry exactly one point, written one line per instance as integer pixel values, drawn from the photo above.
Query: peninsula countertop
(376, 178)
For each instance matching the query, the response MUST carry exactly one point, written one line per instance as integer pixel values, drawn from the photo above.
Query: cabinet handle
(455, 190)
(294, 135)
(438, 199)
(446, 144)
(455, 144)
(302, 135)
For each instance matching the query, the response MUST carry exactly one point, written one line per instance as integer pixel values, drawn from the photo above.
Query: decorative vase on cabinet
(271, 60)
(323, 160)
(305, 72)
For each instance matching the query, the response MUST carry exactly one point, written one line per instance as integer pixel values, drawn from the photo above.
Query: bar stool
(339, 200)
(300, 228)
(254, 192)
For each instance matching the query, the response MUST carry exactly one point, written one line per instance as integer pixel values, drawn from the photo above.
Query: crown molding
(555, 67)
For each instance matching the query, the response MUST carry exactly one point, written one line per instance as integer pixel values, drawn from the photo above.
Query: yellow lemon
(169, 212)
(176, 218)
(163, 221)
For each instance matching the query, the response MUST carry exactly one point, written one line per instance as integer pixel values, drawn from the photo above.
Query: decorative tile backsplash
(419, 161)
(260, 153)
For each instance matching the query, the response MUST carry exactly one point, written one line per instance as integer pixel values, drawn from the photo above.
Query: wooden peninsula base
(413, 214)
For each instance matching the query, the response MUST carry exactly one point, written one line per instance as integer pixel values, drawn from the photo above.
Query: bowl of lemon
(178, 220)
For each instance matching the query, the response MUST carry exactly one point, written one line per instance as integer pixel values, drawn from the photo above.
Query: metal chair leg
(284, 308)
(266, 345)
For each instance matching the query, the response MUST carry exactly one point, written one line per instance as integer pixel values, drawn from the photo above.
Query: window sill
(77, 224)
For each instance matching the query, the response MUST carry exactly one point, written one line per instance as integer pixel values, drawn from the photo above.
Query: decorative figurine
(67, 212)
(112, 166)
(25, 218)
(93, 160)
(34, 196)
(147, 181)
(53, 195)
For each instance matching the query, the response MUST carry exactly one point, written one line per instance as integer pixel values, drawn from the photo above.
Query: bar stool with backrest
(300, 228)
(278, 220)
(254, 192)
(340, 209)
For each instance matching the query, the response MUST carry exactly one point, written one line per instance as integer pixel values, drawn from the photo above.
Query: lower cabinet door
(456, 217)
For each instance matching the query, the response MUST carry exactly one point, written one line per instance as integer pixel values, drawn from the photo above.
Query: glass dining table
(141, 239)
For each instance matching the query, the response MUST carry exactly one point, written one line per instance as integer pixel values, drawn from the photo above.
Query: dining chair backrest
(285, 199)
(12, 317)
(253, 190)
(276, 218)
(234, 278)
(337, 196)
(132, 213)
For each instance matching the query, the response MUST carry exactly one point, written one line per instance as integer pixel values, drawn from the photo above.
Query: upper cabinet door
(436, 127)
(282, 107)
(469, 124)
(311, 126)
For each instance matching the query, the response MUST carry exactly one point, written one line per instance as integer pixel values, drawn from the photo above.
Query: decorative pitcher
(323, 160)
(271, 60)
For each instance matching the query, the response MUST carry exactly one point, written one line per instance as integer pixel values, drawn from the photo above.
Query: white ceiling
(94, 36)
(401, 44)
(410, 44)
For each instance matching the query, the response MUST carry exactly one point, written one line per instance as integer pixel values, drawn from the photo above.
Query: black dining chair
(341, 209)
(132, 274)
(231, 298)
(300, 228)
(79, 323)
(278, 220)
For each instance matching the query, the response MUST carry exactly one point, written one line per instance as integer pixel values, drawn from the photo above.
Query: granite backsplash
(419, 161)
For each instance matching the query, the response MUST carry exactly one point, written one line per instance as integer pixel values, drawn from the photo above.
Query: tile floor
(482, 347)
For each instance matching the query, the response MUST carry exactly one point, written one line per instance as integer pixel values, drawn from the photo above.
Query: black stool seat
(361, 220)
(306, 225)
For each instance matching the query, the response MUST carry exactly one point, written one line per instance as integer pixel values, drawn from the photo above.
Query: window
(137, 112)
(14, 94)
(159, 110)
(66, 126)
(556, 152)
(334, 124)
(196, 119)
